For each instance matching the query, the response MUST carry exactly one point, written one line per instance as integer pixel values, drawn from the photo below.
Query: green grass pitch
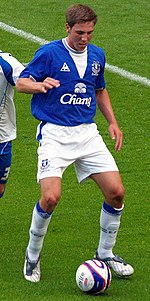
(123, 32)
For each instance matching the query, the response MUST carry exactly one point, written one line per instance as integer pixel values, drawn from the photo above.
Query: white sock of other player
(109, 226)
(38, 229)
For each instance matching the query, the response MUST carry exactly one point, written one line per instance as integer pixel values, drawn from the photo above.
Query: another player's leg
(41, 217)
(5, 163)
(110, 222)
(2, 190)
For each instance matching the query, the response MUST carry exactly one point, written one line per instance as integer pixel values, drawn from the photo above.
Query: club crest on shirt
(96, 67)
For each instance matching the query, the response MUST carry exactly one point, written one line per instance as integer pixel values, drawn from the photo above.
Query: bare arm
(27, 85)
(104, 104)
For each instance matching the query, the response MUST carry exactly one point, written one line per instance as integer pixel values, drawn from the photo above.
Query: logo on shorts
(45, 163)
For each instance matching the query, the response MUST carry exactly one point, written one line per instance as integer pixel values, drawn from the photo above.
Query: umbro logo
(65, 68)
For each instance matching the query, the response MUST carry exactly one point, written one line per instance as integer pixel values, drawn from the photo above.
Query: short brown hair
(80, 13)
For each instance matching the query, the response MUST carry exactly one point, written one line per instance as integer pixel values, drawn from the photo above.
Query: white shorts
(82, 145)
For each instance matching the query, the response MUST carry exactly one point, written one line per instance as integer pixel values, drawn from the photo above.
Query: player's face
(79, 35)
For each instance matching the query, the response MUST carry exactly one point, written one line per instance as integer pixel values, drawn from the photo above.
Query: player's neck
(65, 42)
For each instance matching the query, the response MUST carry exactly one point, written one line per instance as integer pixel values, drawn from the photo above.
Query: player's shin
(109, 226)
(37, 232)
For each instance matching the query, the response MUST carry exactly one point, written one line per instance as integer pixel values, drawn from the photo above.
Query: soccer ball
(93, 277)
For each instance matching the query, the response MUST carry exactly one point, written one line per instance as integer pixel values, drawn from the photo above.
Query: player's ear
(68, 28)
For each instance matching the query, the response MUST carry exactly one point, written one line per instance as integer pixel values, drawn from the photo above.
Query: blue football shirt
(74, 102)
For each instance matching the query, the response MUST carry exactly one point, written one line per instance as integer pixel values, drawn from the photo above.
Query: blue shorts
(5, 160)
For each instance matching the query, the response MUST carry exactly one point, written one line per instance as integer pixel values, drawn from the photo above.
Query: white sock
(38, 229)
(109, 226)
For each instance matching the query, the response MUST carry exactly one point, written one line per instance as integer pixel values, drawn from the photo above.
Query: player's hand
(49, 83)
(117, 135)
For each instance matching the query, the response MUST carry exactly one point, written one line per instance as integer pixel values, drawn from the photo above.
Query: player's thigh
(2, 189)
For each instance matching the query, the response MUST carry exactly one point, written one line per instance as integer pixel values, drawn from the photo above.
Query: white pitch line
(23, 34)
(114, 69)
(132, 76)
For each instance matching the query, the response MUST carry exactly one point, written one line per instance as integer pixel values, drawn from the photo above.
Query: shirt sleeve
(17, 68)
(11, 67)
(38, 68)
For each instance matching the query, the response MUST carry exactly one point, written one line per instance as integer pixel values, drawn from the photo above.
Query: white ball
(93, 276)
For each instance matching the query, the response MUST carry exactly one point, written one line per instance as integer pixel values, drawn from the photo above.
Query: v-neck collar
(74, 52)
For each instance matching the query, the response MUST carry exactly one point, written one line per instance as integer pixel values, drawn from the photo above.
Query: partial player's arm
(28, 85)
(104, 104)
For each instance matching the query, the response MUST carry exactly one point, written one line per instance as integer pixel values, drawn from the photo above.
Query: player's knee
(118, 194)
(51, 201)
